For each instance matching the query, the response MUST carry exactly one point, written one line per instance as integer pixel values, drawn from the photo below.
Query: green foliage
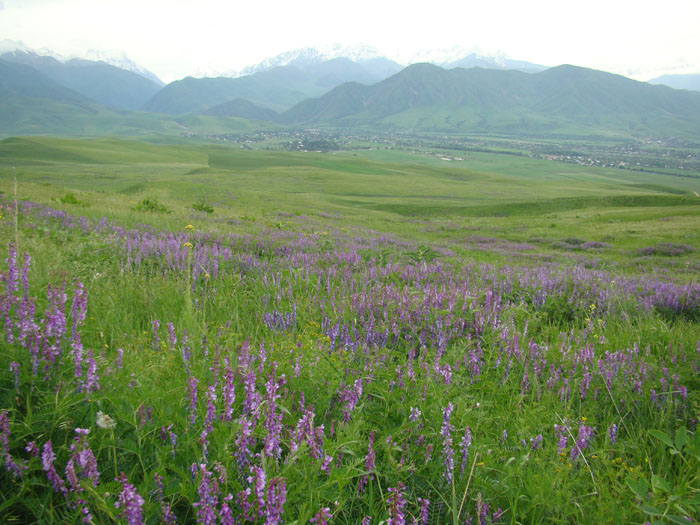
(70, 198)
(151, 204)
(676, 502)
(423, 254)
(201, 205)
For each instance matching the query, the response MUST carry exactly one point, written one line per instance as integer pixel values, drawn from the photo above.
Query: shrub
(70, 198)
(151, 204)
(202, 206)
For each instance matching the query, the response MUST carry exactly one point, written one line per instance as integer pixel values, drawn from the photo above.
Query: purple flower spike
(129, 501)
(396, 503)
(322, 516)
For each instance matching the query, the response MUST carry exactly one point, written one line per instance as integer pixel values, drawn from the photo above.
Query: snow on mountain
(11, 46)
(455, 56)
(114, 58)
(121, 60)
(312, 55)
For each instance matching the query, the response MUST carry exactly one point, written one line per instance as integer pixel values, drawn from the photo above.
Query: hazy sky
(174, 38)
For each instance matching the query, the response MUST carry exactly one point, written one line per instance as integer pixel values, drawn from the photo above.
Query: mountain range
(425, 97)
(99, 81)
(474, 94)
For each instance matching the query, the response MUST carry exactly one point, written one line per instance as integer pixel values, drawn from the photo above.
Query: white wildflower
(104, 421)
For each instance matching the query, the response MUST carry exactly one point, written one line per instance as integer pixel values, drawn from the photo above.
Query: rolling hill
(277, 88)
(242, 108)
(566, 100)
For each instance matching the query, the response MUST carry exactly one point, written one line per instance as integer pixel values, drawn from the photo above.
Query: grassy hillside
(242, 108)
(277, 88)
(516, 199)
(564, 100)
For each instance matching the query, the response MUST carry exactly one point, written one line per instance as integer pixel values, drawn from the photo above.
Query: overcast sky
(174, 38)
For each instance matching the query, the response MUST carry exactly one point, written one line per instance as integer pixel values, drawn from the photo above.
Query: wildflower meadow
(181, 366)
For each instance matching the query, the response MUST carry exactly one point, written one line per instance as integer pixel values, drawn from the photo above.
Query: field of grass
(207, 334)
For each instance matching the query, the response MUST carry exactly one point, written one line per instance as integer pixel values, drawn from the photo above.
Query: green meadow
(516, 199)
(201, 333)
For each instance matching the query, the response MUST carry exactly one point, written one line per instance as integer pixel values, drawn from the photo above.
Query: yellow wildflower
(188, 245)
(189, 227)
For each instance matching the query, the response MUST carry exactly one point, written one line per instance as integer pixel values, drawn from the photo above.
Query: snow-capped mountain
(11, 46)
(306, 56)
(121, 60)
(456, 56)
(113, 58)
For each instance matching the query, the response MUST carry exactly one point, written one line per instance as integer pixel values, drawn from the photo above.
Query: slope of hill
(561, 100)
(278, 88)
(109, 85)
(242, 108)
(690, 82)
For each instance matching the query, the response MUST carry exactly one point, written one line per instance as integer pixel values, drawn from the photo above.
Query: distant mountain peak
(17, 46)
(448, 57)
(121, 60)
(113, 58)
(305, 56)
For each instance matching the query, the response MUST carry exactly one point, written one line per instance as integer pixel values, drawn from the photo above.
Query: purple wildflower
(423, 518)
(226, 514)
(47, 459)
(562, 433)
(464, 447)
(258, 480)
(208, 492)
(211, 408)
(273, 419)
(369, 464)
(192, 397)
(92, 380)
(32, 449)
(144, 415)
(252, 396)
(536, 441)
(585, 433)
(276, 497)
(10, 463)
(129, 501)
(322, 516)
(14, 368)
(612, 433)
(396, 503)
(446, 433)
(243, 442)
(326, 464)
(414, 414)
(166, 513)
(229, 393)
(155, 324)
(172, 338)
